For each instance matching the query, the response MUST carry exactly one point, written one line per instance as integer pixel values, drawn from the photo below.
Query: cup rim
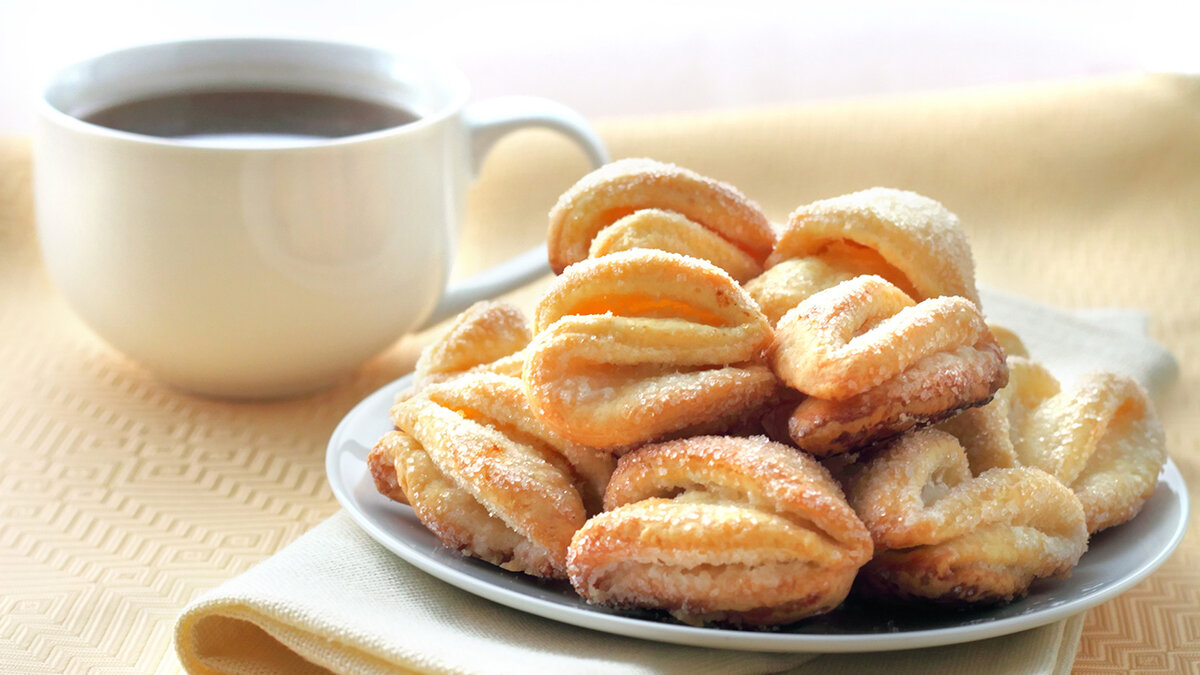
(447, 72)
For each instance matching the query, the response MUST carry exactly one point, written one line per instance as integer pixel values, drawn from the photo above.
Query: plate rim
(718, 637)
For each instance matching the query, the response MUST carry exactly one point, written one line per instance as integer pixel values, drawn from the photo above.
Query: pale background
(621, 57)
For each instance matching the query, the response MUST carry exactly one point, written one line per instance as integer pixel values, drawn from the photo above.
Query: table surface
(122, 499)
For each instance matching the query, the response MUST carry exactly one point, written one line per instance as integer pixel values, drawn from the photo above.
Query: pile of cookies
(736, 423)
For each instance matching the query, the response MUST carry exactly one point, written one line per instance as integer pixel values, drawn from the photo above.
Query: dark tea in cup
(232, 116)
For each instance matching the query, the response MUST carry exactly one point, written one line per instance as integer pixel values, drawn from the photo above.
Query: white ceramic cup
(274, 269)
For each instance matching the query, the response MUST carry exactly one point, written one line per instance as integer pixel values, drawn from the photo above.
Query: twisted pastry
(1100, 438)
(485, 477)
(910, 240)
(720, 529)
(641, 203)
(874, 364)
(640, 344)
(942, 535)
(489, 335)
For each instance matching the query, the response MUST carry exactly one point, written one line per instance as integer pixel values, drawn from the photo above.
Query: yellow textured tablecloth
(121, 500)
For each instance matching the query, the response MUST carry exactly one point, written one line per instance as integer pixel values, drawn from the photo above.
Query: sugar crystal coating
(720, 224)
(874, 364)
(1099, 437)
(487, 478)
(944, 535)
(719, 529)
(648, 335)
(641, 344)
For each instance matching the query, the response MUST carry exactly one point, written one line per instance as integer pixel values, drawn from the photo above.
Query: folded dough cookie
(944, 535)
(381, 463)
(488, 335)
(717, 529)
(641, 203)
(486, 477)
(872, 364)
(910, 240)
(637, 345)
(1100, 437)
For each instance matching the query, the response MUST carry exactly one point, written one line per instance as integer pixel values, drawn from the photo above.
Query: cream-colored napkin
(335, 601)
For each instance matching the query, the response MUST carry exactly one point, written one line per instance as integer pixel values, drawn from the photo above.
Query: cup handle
(486, 122)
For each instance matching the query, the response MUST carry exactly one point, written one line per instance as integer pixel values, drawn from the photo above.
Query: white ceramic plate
(1116, 560)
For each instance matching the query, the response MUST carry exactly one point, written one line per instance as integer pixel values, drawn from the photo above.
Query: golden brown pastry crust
(792, 281)
(910, 240)
(488, 335)
(669, 231)
(648, 336)
(943, 535)
(719, 529)
(488, 479)
(453, 514)
(640, 344)
(381, 464)
(1100, 437)
(741, 235)
(874, 364)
